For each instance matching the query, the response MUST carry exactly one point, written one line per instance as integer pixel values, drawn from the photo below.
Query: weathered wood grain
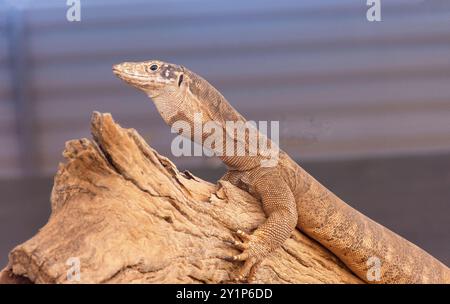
(129, 215)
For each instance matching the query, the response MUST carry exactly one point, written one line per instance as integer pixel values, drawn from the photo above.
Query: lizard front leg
(279, 205)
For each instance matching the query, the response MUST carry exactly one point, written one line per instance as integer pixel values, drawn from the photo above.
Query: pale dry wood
(130, 216)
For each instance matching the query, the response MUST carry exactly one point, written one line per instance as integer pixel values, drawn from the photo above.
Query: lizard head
(176, 92)
(165, 83)
(153, 77)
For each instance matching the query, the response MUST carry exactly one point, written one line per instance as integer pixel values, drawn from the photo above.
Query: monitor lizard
(290, 196)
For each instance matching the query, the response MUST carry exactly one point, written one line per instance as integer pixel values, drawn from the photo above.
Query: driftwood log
(127, 215)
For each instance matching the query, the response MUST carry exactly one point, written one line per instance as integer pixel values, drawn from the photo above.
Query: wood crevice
(128, 215)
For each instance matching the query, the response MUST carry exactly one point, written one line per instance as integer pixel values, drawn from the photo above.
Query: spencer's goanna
(289, 195)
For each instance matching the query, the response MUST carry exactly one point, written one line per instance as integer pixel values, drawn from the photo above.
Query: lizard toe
(243, 235)
(237, 244)
(235, 258)
(241, 257)
(240, 245)
(248, 270)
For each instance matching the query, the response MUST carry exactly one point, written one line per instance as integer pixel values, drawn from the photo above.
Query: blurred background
(364, 106)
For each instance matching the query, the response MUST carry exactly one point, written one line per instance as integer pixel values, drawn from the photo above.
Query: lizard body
(290, 196)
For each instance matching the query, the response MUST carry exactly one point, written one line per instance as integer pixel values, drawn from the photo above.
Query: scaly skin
(290, 196)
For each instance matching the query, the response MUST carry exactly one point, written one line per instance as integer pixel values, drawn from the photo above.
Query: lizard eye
(153, 67)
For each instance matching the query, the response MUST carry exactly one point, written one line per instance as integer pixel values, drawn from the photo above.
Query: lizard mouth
(116, 70)
(130, 77)
(125, 75)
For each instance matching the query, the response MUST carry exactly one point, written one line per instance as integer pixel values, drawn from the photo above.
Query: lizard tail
(373, 252)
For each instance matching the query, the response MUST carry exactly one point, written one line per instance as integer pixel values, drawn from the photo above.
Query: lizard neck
(193, 99)
(208, 116)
